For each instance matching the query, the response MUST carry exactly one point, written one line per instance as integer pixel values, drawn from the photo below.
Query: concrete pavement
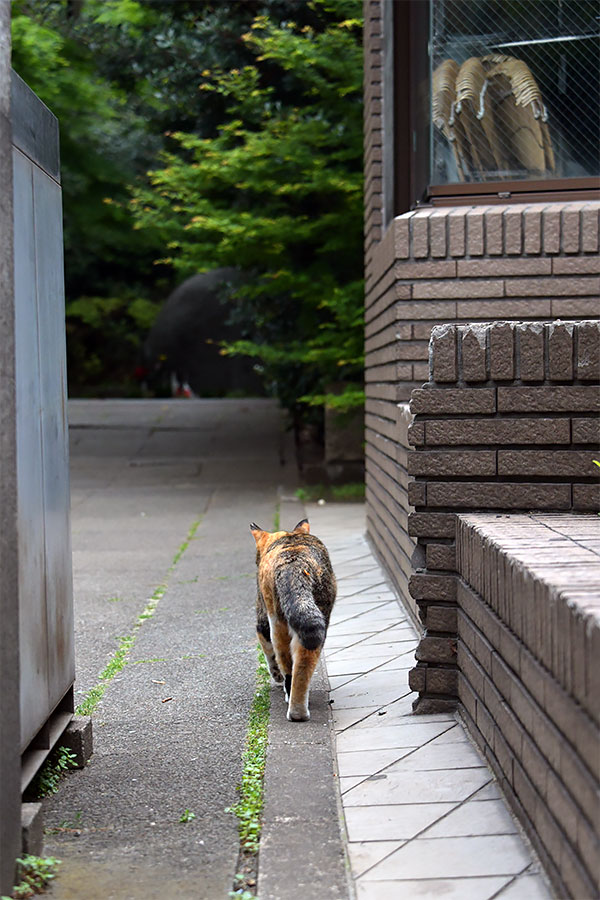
(147, 479)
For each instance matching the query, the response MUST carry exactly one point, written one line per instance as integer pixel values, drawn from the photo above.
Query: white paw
(298, 714)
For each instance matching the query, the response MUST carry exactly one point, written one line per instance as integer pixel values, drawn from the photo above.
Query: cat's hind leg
(305, 663)
(281, 645)
(263, 632)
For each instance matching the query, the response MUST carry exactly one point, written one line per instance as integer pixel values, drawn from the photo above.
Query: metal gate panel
(46, 642)
(33, 644)
(52, 354)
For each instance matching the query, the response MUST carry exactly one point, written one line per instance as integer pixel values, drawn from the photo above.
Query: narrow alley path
(162, 495)
(164, 573)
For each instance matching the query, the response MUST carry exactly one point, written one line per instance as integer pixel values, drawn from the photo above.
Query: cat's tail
(299, 608)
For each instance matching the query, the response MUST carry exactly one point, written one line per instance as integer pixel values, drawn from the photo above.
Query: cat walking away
(296, 593)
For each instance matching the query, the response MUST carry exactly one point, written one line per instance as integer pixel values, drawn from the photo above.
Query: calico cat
(296, 593)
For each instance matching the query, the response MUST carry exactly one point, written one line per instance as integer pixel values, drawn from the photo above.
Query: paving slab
(424, 816)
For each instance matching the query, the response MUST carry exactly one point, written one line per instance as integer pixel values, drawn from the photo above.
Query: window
(514, 90)
(495, 97)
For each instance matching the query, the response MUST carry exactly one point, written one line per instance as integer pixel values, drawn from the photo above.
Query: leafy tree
(278, 192)
(261, 163)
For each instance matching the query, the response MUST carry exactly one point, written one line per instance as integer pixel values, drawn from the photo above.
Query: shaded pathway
(146, 477)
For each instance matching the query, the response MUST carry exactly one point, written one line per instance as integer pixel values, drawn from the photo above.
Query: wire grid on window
(514, 89)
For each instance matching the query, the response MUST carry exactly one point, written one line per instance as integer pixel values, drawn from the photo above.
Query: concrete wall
(10, 764)
(529, 630)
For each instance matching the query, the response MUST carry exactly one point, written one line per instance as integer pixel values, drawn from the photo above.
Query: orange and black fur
(296, 593)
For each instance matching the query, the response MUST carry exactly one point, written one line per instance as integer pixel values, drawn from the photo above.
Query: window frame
(409, 46)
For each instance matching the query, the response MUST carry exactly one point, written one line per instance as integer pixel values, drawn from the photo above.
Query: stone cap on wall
(500, 230)
(541, 574)
(526, 352)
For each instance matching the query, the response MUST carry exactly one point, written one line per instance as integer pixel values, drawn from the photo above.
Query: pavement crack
(120, 657)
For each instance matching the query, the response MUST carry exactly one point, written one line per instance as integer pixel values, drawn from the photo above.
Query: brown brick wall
(528, 632)
(502, 444)
(474, 264)
(508, 421)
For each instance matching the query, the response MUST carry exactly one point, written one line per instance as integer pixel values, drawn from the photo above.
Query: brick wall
(533, 262)
(529, 635)
(508, 421)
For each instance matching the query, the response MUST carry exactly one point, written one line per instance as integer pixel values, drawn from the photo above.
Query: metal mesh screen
(514, 89)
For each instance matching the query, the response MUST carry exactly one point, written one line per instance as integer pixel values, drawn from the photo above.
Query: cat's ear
(262, 538)
(303, 526)
(258, 534)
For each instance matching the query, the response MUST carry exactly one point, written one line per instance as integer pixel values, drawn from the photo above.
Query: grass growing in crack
(119, 659)
(34, 872)
(249, 807)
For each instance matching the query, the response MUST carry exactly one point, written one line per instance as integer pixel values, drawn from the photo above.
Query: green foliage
(95, 322)
(249, 807)
(187, 816)
(47, 780)
(278, 192)
(35, 873)
(249, 117)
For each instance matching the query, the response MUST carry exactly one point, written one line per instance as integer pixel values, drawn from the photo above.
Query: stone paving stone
(484, 817)
(385, 737)
(396, 635)
(504, 854)
(490, 792)
(378, 612)
(366, 622)
(390, 823)
(405, 661)
(349, 592)
(364, 854)
(368, 762)
(347, 784)
(526, 887)
(336, 681)
(362, 697)
(345, 611)
(347, 718)
(447, 786)
(455, 734)
(341, 664)
(448, 889)
(440, 756)
(401, 711)
(359, 650)
(340, 641)
(424, 816)
(370, 681)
